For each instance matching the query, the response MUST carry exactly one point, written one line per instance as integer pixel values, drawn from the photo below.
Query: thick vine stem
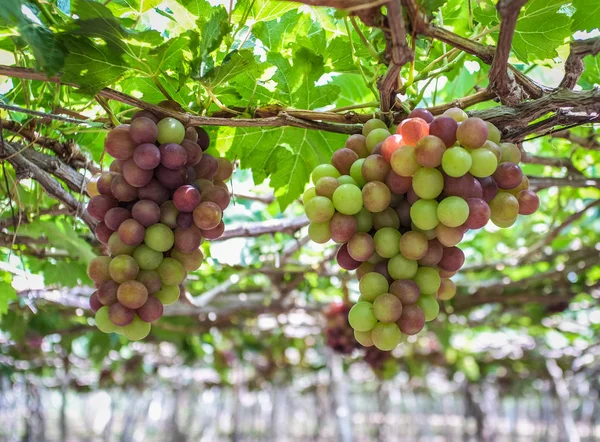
(574, 64)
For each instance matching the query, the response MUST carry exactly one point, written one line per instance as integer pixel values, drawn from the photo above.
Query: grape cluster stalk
(399, 201)
(338, 333)
(162, 196)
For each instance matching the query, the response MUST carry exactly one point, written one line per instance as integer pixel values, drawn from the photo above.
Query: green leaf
(7, 294)
(261, 10)
(213, 31)
(591, 72)
(484, 11)
(587, 16)
(273, 34)
(431, 5)
(540, 30)
(236, 63)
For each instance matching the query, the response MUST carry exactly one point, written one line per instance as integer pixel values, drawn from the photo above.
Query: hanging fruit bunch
(338, 333)
(399, 205)
(161, 197)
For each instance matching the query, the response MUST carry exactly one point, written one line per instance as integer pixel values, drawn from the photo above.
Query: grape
(387, 242)
(508, 175)
(146, 156)
(187, 198)
(115, 166)
(151, 311)
(207, 167)
(364, 220)
(456, 114)
(187, 240)
(523, 186)
(372, 285)
(159, 237)
(402, 268)
(430, 307)
(131, 232)
(150, 279)
(453, 211)
(323, 170)
(412, 130)
(456, 161)
(118, 143)
(120, 315)
(122, 190)
(203, 138)
(386, 336)
(371, 125)
(465, 186)
(390, 145)
(309, 194)
(173, 156)
(504, 207)
(429, 151)
(376, 259)
(529, 202)
(103, 232)
(153, 191)
(107, 292)
(358, 143)
(104, 183)
(171, 271)
(147, 258)
(168, 214)
(424, 214)
(347, 179)
(363, 338)
(510, 153)
(326, 186)
(91, 186)
(424, 114)
(386, 218)
(406, 291)
(452, 259)
(168, 294)
(225, 169)
(143, 130)
(381, 268)
(94, 304)
(472, 133)
(434, 253)
(134, 175)
(342, 227)
(428, 183)
(123, 268)
(447, 290)
(99, 205)
(137, 329)
(403, 211)
(387, 308)
(375, 168)
(117, 247)
(428, 280)
(98, 269)
(344, 259)
(398, 184)
(376, 196)
(194, 155)
(320, 232)
(170, 131)
(445, 129)
(217, 195)
(489, 188)
(171, 179)
(375, 137)
(190, 261)
(363, 269)
(494, 148)
(343, 159)
(449, 236)
(446, 274)
(202, 184)
(103, 322)
(146, 212)
(411, 196)
(404, 161)
(115, 216)
(413, 245)
(320, 209)
(191, 134)
(494, 134)
(361, 316)
(484, 163)
(412, 320)
(215, 233)
(503, 223)
(347, 199)
(207, 215)
(361, 246)
(479, 214)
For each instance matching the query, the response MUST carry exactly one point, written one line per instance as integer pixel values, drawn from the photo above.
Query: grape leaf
(260, 10)
(591, 72)
(7, 294)
(587, 16)
(275, 33)
(60, 234)
(431, 5)
(234, 64)
(484, 11)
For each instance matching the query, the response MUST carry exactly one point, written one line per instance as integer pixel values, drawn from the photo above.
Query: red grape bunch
(162, 196)
(339, 334)
(399, 204)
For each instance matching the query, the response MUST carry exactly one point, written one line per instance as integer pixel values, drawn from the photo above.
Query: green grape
(363, 269)
(428, 183)
(376, 196)
(413, 245)
(504, 207)
(319, 232)
(356, 172)
(375, 258)
(364, 221)
(428, 279)
(159, 237)
(375, 137)
(324, 170)
(456, 162)
(347, 179)
(137, 329)
(430, 307)
(456, 114)
(453, 211)
(147, 258)
(429, 234)
(347, 199)
(168, 294)
(386, 336)
(372, 124)
(171, 272)
(424, 214)
(447, 290)
(404, 161)
(503, 223)
(510, 153)
(309, 194)
(103, 322)
(386, 218)
(363, 338)
(484, 163)
(361, 316)
(123, 268)
(319, 209)
(493, 133)
(372, 285)
(401, 268)
(170, 131)
(387, 242)
(472, 133)
(387, 308)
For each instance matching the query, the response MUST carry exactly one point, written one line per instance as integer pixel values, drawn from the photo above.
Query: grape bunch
(161, 197)
(399, 205)
(339, 334)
